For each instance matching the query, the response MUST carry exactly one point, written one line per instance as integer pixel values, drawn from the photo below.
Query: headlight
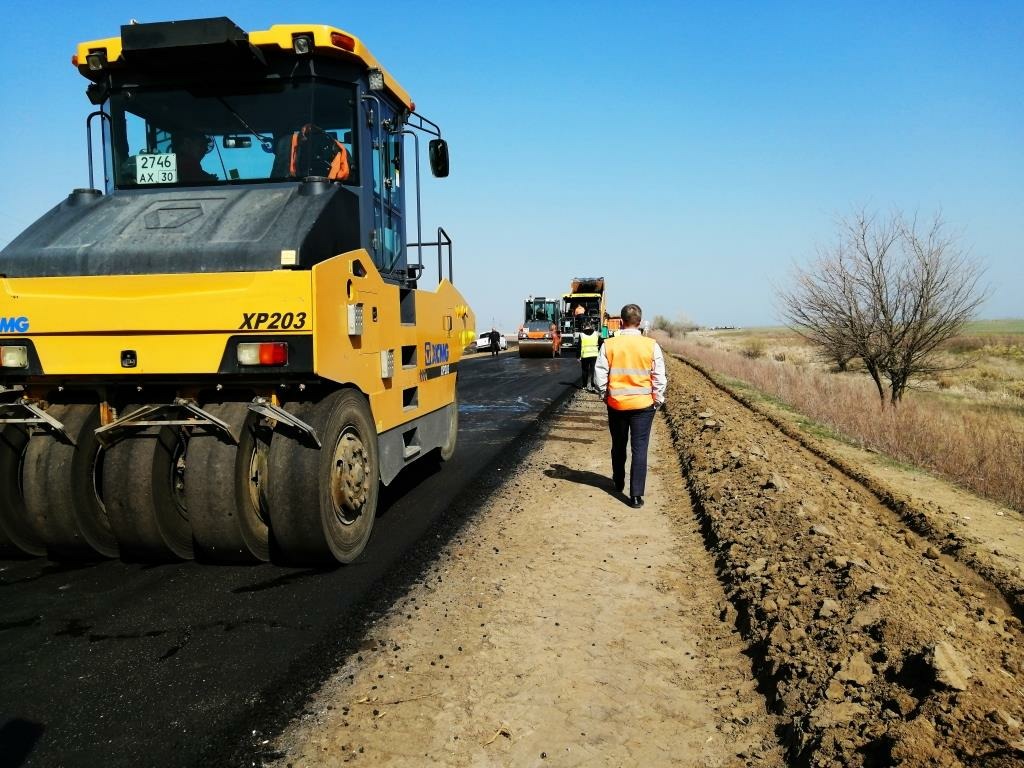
(14, 357)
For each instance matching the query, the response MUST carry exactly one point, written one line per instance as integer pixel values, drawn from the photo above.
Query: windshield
(539, 309)
(226, 134)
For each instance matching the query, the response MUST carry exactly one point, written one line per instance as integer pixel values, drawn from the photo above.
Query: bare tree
(832, 302)
(935, 290)
(886, 293)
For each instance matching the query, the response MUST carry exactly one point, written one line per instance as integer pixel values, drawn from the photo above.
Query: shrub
(984, 384)
(676, 329)
(753, 348)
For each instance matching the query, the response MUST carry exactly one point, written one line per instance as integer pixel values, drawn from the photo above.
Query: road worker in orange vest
(630, 375)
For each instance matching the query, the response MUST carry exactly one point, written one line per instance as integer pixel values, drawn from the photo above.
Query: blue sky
(688, 152)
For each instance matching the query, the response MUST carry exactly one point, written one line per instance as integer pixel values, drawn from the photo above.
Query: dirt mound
(992, 550)
(876, 647)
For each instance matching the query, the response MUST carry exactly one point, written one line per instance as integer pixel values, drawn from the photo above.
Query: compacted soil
(560, 627)
(764, 608)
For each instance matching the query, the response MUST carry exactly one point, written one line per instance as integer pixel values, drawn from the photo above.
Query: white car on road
(483, 342)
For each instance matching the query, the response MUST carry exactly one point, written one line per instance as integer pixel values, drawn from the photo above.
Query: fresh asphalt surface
(115, 664)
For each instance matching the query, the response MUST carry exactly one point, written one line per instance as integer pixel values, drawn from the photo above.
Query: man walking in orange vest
(630, 374)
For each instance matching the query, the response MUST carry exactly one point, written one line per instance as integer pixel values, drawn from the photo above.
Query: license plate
(156, 169)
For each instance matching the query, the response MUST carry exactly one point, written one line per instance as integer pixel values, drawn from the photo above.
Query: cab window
(223, 135)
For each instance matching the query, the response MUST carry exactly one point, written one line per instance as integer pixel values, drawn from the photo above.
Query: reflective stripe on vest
(588, 345)
(630, 359)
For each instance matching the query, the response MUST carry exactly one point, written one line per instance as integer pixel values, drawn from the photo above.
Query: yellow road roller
(538, 335)
(226, 350)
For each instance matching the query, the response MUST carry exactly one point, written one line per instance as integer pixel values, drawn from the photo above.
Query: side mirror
(438, 151)
(97, 93)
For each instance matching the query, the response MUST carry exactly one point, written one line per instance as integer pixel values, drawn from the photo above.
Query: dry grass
(996, 345)
(985, 363)
(980, 448)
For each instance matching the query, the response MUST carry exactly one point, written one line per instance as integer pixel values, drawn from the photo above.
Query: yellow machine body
(178, 326)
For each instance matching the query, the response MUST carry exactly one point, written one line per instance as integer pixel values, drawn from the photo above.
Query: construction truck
(583, 305)
(226, 351)
(539, 334)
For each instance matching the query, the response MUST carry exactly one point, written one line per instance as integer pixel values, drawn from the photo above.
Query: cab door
(388, 195)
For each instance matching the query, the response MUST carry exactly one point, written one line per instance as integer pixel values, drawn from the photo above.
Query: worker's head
(588, 328)
(192, 144)
(631, 316)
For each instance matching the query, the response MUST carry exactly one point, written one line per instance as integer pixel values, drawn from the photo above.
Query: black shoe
(636, 501)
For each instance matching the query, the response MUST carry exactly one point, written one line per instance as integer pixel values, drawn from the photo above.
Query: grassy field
(984, 364)
(966, 423)
(1006, 326)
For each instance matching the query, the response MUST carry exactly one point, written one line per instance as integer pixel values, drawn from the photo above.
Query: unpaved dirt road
(562, 627)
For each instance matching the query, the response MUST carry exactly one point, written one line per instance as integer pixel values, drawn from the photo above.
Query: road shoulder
(559, 625)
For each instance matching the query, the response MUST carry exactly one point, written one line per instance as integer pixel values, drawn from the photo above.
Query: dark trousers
(587, 364)
(495, 347)
(634, 427)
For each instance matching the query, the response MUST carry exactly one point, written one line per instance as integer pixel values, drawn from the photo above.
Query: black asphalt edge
(949, 541)
(246, 741)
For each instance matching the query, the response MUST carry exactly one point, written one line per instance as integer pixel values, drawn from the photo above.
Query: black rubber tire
(17, 534)
(305, 523)
(144, 505)
(60, 486)
(448, 447)
(228, 516)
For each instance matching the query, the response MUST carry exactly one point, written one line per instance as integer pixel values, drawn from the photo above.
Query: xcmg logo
(435, 354)
(14, 325)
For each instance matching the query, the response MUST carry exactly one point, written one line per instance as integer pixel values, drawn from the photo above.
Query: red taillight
(275, 353)
(343, 41)
(268, 353)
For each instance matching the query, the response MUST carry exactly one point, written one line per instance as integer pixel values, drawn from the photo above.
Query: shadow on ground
(583, 477)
